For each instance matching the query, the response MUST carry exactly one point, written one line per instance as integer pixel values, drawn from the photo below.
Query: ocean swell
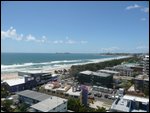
(51, 64)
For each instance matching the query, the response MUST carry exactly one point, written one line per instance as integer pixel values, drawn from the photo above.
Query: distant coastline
(61, 67)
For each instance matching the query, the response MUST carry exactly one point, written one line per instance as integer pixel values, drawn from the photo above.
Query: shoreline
(13, 75)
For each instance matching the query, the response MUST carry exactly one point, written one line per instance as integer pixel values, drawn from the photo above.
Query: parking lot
(101, 96)
(101, 99)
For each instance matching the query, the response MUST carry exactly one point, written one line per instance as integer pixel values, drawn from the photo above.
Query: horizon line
(82, 52)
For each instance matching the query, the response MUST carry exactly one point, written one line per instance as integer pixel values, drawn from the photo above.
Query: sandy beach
(51, 70)
(15, 75)
(9, 76)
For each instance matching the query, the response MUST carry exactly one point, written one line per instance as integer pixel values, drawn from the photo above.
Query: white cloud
(83, 42)
(70, 41)
(135, 6)
(67, 38)
(30, 38)
(145, 9)
(142, 47)
(20, 37)
(110, 49)
(44, 37)
(143, 19)
(43, 40)
(58, 42)
(12, 34)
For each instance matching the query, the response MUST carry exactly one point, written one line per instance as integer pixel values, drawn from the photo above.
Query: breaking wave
(51, 64)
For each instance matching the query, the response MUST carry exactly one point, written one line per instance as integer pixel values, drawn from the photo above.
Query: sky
(74, 26)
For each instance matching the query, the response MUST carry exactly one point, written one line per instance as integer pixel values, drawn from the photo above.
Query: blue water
(13, 62)
(20, 58)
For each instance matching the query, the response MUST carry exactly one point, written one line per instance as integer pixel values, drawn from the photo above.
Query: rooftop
(132, 65)
(135, 98)
(95, 73)
(13, 82)
(142, 77)
(122, 67)
(121, 105)
(34, 95)
(75, 93)
(147, 56)
(49, 104)
(87, 72)
(124, 104)
(108, 71)
(35, 71)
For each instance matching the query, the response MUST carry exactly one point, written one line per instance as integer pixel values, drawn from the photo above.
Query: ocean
(14, 62)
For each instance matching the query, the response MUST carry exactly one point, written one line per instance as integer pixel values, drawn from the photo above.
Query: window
(65, 108)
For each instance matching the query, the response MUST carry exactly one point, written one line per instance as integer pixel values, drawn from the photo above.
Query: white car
(114, 97)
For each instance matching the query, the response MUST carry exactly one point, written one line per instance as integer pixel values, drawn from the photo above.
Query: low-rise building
(122, 69)
(13, 85)
(28, 80)
(73, 93)
(38, 77)
(56, 87)
(95, 78)
(141, 82)
(137, 68)
(102, 89)
(40, 102)
(130, 103)
(116, 73)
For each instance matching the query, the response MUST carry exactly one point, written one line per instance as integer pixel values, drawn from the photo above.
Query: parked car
(99, 94)
(91, 97)
(114, 97)
(106, 96)
(89, 93)
(109, 97)
(95, 94)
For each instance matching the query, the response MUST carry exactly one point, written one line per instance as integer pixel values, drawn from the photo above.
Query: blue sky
(77, 27)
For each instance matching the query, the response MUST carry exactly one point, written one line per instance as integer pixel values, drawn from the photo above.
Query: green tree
(21, 108)
(146, 91)
(126, 84)
(6, 105)
(4, 92)
(100, 109)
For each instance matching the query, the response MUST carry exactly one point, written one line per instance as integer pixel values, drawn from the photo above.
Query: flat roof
(147, 56)
(95, 73)
(139, 99)
(121, 105)
(35, 71)
(131, 64)
(34, 95)
(142, 77)
(108, 71)
(87, 72)
(70, 92)
(55, 75)
(122, 67)
(13, 82)
(49, 104)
